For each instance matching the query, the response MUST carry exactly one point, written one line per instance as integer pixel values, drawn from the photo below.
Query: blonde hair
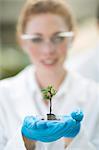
(34, 7)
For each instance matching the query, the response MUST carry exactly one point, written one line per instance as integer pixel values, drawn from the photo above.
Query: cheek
(63, 50)
(32, 52)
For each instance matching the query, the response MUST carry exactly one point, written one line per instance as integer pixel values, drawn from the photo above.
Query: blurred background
(12, 58)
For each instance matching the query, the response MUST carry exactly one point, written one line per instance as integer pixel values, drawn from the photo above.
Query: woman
(45, 31)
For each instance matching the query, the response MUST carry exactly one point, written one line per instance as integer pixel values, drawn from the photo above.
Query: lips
(49, 62)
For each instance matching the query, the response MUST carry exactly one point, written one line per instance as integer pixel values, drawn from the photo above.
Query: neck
(50, 78)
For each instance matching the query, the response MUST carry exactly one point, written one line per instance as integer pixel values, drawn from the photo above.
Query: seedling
(48, 93)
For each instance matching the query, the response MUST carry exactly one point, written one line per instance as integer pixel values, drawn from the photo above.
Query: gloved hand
(50, 130)
(74, 130)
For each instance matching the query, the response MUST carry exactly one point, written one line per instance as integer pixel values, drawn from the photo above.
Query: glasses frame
(62, 34)
(69, 35)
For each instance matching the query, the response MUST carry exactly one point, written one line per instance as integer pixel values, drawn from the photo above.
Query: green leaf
(48, 92)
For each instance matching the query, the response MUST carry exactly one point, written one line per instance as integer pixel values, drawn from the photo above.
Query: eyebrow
(61, 33)
(40, 34)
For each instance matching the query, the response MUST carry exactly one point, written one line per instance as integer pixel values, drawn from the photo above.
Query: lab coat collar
(34, 87)
(64, 87)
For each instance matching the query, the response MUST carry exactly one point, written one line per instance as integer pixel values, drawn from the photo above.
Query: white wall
(84, 8)
(11, 8)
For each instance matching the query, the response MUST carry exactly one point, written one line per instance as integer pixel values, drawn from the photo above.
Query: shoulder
(84, 92)
(83, 61)
(16, 82)
(84, 85)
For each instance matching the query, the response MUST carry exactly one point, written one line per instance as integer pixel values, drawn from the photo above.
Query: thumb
(77, 115)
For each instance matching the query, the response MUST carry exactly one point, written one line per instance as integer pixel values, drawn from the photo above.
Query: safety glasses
(56, 40)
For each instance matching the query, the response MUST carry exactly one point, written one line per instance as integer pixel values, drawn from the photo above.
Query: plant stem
(50, 106)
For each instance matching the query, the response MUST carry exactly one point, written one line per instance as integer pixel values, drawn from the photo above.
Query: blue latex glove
(50, 130)
(73, 131)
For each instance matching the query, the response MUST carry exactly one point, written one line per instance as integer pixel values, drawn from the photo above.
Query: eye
(36, 40)
(58, 39)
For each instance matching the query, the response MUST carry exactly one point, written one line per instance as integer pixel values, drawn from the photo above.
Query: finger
(41, 124)
(30, 122)
(56, 130)
(69, 120)
(73, 131)
(66, 118)
(77, 115)
(54, 123)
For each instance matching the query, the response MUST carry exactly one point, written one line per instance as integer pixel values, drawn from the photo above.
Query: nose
(48, 47)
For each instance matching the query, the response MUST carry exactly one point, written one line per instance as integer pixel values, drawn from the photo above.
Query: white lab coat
(20, 96)
(86, 64)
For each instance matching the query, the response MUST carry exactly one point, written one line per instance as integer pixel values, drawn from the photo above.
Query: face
(46, 50)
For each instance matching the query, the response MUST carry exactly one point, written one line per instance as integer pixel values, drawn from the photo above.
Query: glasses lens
(58, 39)
(55, 40)
(36, 40)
